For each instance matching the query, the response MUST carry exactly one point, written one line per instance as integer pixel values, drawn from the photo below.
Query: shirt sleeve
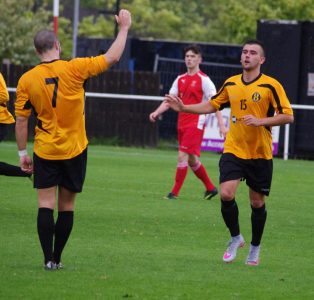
(86, 67)
(280, 100)
(174, 90)
(4, 94)
(221, 99)
(23, 107)
(208, 88)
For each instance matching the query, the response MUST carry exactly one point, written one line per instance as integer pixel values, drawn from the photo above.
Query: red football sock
(201, 173)
(182, 170)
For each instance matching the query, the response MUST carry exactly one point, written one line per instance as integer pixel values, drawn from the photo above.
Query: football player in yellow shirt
(5, 120)
(54, 91)
(257, 103)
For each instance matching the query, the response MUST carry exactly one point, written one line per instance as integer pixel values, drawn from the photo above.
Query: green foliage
(99, 4)
(178, 20)
(18, 23)
(97, 28)
(65, 37)
(227, 21)
(237, 19)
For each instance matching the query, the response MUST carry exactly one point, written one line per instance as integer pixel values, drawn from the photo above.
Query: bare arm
(21, 133)
(160, 110)
(279, 119)
(223, 130)
(201, 108)
(115, 52)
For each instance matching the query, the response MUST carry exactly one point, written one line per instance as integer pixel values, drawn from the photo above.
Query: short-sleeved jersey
(5, 115)
(261, 98)
(54, 90)
(192, 89)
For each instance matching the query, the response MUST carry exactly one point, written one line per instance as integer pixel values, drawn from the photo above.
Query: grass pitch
(128, 242)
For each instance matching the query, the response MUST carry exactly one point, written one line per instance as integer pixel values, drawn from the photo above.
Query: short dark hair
(256, 42)
(44, 40)
(194, 48)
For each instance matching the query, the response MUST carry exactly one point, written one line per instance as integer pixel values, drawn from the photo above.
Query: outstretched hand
(124, 18)
(174, 102)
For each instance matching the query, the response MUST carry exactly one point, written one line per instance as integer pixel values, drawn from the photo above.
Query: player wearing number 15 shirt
(261, 98)
(257, 103)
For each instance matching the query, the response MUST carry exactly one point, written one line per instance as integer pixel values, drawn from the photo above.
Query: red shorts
(190, 140)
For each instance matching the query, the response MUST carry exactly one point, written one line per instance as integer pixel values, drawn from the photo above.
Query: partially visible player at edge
(253, 98)
(54, 90)
(7, 119)
(192, 87)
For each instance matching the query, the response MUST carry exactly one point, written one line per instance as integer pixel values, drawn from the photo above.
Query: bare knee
(257, 203)
(227, 194)
(257, 200)
(66, 200)
(228, 190)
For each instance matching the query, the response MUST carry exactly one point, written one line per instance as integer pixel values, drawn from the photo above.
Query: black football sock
(63, 230)
(45, 228)
(230, 214)
(258, 219)
(11, 170)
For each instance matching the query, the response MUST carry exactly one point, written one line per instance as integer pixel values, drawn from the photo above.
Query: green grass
(127, 242)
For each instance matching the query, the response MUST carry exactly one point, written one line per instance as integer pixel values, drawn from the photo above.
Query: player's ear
(57, 44)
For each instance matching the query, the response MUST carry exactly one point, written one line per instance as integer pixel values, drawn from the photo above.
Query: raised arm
(115, 52)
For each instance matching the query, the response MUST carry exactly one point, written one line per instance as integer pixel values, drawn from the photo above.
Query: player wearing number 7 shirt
(54, 91)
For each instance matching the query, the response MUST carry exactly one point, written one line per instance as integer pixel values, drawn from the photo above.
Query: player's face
(192, 60)
(252, 57)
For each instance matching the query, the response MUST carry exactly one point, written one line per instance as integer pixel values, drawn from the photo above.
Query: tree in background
(224, 21)
(236, 20)
(160, 19)
(19, 21)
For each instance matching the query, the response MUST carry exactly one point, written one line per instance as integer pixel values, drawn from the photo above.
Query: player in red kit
(192, 87)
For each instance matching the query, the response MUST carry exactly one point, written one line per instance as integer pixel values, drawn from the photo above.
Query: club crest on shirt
(193, 83)
(256, 97)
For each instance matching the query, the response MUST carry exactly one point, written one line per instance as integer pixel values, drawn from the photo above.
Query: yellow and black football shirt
(54, 90)
(261, 98)
(5, 115)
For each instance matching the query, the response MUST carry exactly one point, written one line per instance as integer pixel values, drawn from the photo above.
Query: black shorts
(257, 172)
(3, 131)
(68, 173)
